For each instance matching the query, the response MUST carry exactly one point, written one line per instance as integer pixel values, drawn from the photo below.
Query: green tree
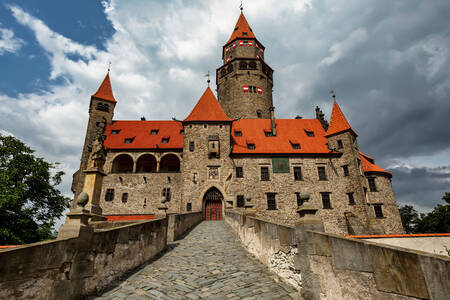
(29, 200)
(409, 217)
(436, 221)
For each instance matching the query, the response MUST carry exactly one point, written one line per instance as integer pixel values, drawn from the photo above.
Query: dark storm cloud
(423, 187)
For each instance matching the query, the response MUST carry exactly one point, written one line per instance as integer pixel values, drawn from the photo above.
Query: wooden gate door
(213, 205)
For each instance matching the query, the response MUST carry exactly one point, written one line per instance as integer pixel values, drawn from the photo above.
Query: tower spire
(105, 92)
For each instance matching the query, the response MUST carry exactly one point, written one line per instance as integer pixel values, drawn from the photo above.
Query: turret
(244, 82)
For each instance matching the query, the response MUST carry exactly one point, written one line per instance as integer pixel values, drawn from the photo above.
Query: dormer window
(165, 140)
(236, 28)
(181, 131)
(237, 133)
(309, 133)
(128, 140)
(154, 131)
(295, 146)
(244, 33)
(115, 131)
(268, 133)
(251, 146)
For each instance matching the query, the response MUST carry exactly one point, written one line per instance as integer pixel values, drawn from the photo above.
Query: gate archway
(212, 205)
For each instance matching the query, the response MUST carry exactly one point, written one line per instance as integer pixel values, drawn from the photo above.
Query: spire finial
(208, 81)
(333, 94)
(109, 67)
(241, 7)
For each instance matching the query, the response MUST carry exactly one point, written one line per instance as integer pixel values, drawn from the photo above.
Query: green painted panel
(280, 164)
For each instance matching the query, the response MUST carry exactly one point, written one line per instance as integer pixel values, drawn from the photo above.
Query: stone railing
(181, 223)
(336, 267)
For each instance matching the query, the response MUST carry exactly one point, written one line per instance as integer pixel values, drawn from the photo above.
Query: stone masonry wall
(179, 224)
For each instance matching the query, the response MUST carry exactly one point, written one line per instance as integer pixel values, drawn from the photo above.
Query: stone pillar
(77, 220)
(93, 187)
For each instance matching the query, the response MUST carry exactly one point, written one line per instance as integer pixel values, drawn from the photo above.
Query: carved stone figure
(97, 156)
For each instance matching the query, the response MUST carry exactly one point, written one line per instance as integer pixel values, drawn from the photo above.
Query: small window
(340, 144)
(259, 114)
(265, 174)
(237, 133)
(240, 200)
(360, 167)
(309, 133)
(205, 126)
(295, 146)
(165, 140)
(128, 140)
(299, 199)
(154, 131)
(345, 169)
(252, 65)
(268, 133)
(298, 173)
(109, 195)
(191, 146)
(351, 199)
(103, 107)
(166, 194)
(181, 131)
(124, 197)
(372, 185)
(378, 211)
(271, 203)
(239, 172)
(251, 146)
(326, 200)
(116, 131)
(244, 33)
(322, 173)
(189, 206)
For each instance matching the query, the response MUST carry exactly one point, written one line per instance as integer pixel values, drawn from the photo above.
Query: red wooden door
(213, 205)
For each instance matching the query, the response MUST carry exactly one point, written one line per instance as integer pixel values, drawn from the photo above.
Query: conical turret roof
(207, 109)
(242, 29)
(338, 122)
(104, 92)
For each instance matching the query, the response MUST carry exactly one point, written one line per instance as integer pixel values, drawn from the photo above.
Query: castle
(231, 153)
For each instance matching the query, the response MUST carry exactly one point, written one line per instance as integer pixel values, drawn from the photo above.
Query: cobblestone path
(209, 263)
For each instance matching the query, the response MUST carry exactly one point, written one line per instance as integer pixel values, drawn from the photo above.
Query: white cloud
(9, 43)
(341, 49)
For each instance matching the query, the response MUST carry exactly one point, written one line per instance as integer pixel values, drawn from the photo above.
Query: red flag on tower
(245, 88)
(227, 49)
(228, 59)
(259, 89)
(234, 45)
(241, 43)
(250, 43)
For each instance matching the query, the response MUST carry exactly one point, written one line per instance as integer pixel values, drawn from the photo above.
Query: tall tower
(101, 112)
(244, 81)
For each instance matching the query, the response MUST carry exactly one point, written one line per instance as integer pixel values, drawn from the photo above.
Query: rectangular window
(351, 199)
(237, 133)
(239, 172)
(372, 185)
(251, 146)
(188, 206)
(166, 194)
(322, 173)
(378, 211)
(345, 169)
(109, 195)
(103, 107)
(265, 174)
(266, 133)
(240, 200)
(128, 140)
(295, 146)
(309, 133)
(115, 131)
(154, 131)
(271, 203)
(326, 200)
(191, 146)
(299, 199)
(298, 173)
(124, 197)
(165, 140)
(340, 145)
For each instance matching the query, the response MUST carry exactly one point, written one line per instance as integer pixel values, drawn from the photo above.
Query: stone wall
(74, 267)
(273, 244)
(181, 223)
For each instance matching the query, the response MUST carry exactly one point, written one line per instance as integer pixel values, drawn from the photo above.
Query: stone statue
(97, 157)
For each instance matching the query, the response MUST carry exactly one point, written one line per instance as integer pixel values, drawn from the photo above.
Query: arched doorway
(212, 205)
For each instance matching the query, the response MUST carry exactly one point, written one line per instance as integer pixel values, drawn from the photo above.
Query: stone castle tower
(244, 82)
(101, 113)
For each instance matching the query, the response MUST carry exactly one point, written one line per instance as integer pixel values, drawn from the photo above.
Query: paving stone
(209, 262)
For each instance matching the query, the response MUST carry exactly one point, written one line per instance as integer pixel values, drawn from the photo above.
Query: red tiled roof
(287, 130)
(338, 122)
(368, 165)
(140, 131)
(207, 109)
(241, 27)
(105, 91)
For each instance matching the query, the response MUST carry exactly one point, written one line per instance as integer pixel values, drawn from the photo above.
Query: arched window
(252, 65)
(223, 72)
(122, 164)
(230, 68)
(242, 65)
(169, 163)
(146, 163)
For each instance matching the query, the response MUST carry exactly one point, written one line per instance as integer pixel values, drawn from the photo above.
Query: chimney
(272, 121)
(321, 117)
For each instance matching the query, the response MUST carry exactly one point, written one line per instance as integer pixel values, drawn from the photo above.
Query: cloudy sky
(387, 60)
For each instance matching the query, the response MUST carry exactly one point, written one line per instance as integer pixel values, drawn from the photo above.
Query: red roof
(289, 131)
(207, 109)
(369, 165)
(140, 132)
(104, 92)
(242, 29)
(338, 122)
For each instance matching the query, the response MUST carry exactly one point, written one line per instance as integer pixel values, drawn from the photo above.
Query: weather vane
(333, 94)
(109, 66)
(208, 81)
(241, 7)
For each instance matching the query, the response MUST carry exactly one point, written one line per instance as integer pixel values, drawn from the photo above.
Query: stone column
(77, 219)
(93, 187)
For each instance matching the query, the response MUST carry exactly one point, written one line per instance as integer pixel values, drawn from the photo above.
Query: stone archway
(212, 205)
